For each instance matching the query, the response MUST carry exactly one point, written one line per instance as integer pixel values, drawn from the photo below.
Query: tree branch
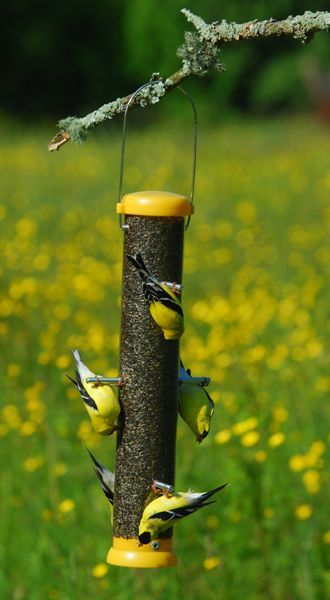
(199, 54)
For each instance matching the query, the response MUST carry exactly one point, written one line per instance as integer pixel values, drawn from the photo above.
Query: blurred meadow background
(256, 300)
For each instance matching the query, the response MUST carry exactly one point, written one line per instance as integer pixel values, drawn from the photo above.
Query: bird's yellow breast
(164, 503)
(105, 397)
(170, 321)
(195, 408)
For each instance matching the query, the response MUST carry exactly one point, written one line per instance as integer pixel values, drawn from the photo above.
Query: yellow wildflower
(13, 370)
(244, 426)
(211, 563)
(326, 537)
(254, 354)
(297, 462)
(63, 361)
(44, 358)
(280, 414)
(100, 570)
(62, 312)
(269, 512)
(41, 262)
(26, 227)
(28, 428)
(250, 439)
(260, 456)
(322, 384)
(314, 453)
(223, 229)
(276, 439)
(318, 448)
(223, 436)
(311, 480)
(314, 348)
(32, 463)
(66, 506)
(60, 469)
(246, 212)
(303, 512)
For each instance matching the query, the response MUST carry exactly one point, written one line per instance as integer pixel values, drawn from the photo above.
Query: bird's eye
(145, 537)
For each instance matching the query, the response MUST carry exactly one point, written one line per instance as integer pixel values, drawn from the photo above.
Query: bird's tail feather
(76, 355)
(102, 474)
(208, 503)
(138, 262)
(211, 492)
(96, 462)
(72, 380)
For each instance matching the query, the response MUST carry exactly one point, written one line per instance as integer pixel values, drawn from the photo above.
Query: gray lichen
(199, 54)
(300, 27)
(77, 128)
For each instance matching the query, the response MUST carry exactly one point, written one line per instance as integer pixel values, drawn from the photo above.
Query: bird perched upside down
(164, 305)
(196, 406)
(101, 401)
(106, 479)
(166, 510)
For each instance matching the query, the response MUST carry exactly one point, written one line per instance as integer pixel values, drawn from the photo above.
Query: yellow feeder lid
(130, 553)
(155, 204)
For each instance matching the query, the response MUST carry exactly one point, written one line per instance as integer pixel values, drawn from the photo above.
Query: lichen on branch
(300, 27)
(199, 54)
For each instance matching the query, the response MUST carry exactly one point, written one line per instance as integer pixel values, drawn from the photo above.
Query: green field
(256, 301)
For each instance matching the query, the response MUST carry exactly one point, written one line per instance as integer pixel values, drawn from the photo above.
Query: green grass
(256, 303)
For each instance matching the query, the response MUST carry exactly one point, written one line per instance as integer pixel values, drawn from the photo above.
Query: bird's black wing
(210, 401)
(99, 471)
(151, 287)
(138, 263)
(154, 292)
(84, 394)
(178, 513)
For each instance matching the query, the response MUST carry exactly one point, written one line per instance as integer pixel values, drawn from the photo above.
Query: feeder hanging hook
(123, 226)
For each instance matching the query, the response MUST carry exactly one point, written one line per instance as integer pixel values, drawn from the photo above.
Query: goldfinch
(196, 407)
(101, 401)
(105, 477)
(163, 512)
(164, 305)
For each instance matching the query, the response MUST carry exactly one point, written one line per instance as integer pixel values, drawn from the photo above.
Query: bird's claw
(98, 382)
(122, 382)
(158, 487)
(175, 287)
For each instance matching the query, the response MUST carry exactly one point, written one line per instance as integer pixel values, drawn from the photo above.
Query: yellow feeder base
(128, 553)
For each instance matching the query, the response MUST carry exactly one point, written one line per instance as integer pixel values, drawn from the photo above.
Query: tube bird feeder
(153, 223)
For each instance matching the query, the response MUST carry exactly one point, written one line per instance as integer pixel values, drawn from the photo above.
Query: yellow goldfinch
(165, 307)
(101, 401)
(163, 512)
(196, 407)
(106, 479)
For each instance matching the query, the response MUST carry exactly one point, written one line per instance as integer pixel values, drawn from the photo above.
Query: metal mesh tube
(149, 364)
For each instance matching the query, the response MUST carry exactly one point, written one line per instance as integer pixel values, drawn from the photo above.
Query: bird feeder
(153, 223)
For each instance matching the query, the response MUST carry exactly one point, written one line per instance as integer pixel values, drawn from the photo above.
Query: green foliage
(256, 283)
(71, 57)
